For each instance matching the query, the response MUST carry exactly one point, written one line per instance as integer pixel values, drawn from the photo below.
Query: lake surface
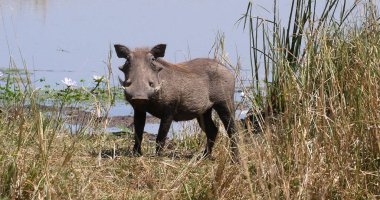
(71, 38)
(55, 39)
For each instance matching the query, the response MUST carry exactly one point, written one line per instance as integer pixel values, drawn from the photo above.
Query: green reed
(320, 97)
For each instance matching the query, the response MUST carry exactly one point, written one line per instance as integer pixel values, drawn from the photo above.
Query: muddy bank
(128, 120)
(116, 124)
(77, 115)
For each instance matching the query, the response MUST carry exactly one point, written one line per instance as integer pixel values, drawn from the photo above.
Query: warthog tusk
(158, 88)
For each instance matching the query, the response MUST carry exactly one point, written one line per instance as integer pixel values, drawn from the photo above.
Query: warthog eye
(151, 84)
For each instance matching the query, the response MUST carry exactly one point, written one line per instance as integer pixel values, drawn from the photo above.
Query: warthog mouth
(139, 101)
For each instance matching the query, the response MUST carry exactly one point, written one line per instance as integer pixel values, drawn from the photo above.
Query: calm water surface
(72, 38)
(69, 38)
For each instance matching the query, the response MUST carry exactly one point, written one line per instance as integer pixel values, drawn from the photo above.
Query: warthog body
(177, 92)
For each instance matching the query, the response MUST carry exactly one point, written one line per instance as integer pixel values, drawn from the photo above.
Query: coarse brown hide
(177, 92)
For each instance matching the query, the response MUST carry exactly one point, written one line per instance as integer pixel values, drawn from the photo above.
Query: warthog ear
(158, 50)
(122, 51)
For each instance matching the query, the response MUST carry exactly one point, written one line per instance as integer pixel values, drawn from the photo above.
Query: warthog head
(141, 71)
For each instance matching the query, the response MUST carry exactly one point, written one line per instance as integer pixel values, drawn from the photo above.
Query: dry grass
(285, 162)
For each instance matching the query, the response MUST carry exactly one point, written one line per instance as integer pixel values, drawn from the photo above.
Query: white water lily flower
(97, 78)
(1, 74)
(242, 94)
(68, 82)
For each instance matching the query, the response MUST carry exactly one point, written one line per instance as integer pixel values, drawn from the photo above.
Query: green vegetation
(318, 107)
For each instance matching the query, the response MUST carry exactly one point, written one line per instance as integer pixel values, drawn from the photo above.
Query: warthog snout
(139, 89)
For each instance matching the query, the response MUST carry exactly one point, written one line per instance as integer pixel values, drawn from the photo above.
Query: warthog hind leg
(208, 126)
(226, 115)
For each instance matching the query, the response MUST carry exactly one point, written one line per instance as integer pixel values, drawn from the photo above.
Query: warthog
(177, 92)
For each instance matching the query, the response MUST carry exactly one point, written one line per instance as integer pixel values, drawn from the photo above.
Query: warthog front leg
(139, 123)
(162, 133)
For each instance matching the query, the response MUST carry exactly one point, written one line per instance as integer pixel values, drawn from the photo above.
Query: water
(121, 109)
(69, 38)
(55, 39)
